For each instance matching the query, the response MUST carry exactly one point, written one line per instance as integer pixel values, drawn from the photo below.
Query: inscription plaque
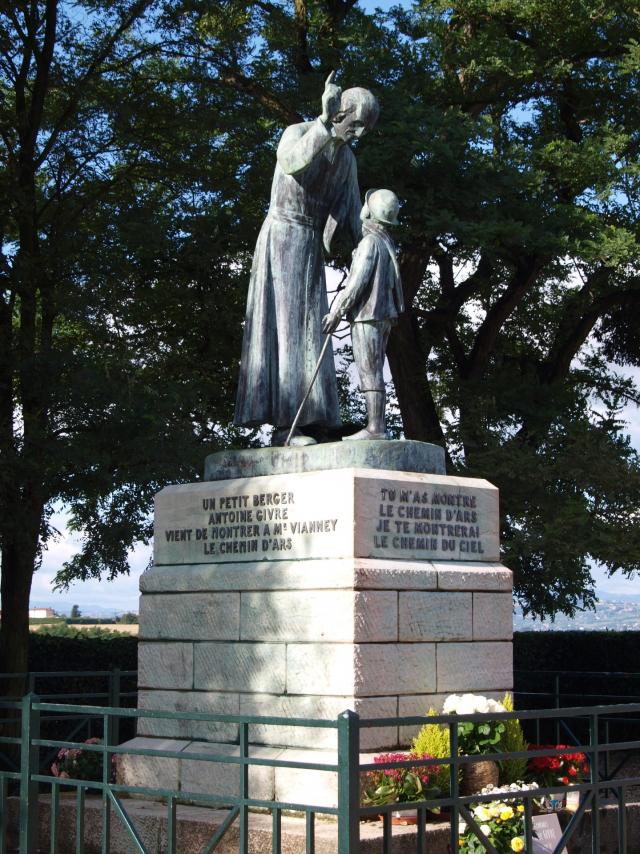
(345, 513)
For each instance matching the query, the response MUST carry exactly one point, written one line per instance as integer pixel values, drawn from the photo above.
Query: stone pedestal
(310, 591)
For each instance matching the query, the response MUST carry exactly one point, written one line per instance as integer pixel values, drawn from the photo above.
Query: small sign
(547, 834)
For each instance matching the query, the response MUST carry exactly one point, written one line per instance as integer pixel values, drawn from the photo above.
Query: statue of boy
(372, 300)
(314, 192)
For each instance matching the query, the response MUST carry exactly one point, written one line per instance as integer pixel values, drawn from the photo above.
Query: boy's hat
(384, 206)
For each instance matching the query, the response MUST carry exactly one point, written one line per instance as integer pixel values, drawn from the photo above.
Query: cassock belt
(281, 215)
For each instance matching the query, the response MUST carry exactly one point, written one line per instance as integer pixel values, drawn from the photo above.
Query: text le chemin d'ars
(429, 520)
(250, 524)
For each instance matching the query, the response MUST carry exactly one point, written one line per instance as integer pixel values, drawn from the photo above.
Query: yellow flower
(482, 813)
(517, 843)
(494, 810)
(520, 808)
(506, 814)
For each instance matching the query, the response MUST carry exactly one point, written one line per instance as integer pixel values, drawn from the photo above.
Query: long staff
(305, 398)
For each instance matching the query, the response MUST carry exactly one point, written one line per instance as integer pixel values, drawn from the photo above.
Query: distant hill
(619, 614)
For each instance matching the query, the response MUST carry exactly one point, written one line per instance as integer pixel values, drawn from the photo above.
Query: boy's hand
(330, 322)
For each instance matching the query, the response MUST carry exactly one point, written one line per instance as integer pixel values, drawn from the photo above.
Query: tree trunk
(408, 369)
(19, 554)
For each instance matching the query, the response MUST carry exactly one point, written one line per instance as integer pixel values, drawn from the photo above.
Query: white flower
(486, 830)
(470, 704)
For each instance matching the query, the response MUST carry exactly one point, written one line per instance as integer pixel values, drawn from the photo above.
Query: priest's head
(358, 113)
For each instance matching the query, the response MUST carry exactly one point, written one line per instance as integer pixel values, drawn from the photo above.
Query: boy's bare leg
(375, 428)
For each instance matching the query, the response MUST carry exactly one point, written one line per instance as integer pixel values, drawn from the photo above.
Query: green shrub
(512, 770)
(434, 740)
(64, 631)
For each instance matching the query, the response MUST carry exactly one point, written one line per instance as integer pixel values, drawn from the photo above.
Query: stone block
(492, 616)
(435, 616)
(316, 787)
(473, 576)
(332, 574)
(321, 615)
(202, 776)
(151, 772)
(328, 514)
(320, 669)
(248, 667)
(394, 669)
(425, 517)
(394, 575)
(366, 670)
(302, 786)
(187, 702)
(474, 667)
(283, 517)
(405, 455)
(190, 616)
(318, 708)
(165, 665)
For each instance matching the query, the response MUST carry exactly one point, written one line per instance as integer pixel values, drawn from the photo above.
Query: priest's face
(349, 124)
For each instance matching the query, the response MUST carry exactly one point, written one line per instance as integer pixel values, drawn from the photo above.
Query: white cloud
(120, 594)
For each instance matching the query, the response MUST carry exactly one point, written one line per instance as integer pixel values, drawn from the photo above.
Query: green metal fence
(32, 778)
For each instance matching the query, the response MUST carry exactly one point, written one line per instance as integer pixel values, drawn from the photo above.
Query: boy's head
(381, 206)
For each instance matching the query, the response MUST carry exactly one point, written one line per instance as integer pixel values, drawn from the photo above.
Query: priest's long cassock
(314, 192)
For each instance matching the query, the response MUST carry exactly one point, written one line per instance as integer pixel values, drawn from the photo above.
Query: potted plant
(399, 785)
(476, 739)
(500, 821)
(433, 739)
(563, 768)
(77, 764)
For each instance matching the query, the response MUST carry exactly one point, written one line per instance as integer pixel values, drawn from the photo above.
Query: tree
(512, 134)
(114, 348)
(137, 146)
(75, 612)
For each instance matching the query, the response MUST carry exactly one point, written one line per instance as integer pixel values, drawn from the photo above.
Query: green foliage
(62, 630)
(135, 169)
(477, 738)
(434, 740)
(128, 618)
(79, 764)
(82, 652)
(512, 770)
(399, 785)
(611, 652)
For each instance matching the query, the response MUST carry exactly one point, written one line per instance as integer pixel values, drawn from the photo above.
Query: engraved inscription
(428, 520)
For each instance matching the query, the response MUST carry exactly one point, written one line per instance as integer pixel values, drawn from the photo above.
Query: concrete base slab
(195, 826)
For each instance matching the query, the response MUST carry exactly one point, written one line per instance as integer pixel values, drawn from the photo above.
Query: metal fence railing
(32, 779)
